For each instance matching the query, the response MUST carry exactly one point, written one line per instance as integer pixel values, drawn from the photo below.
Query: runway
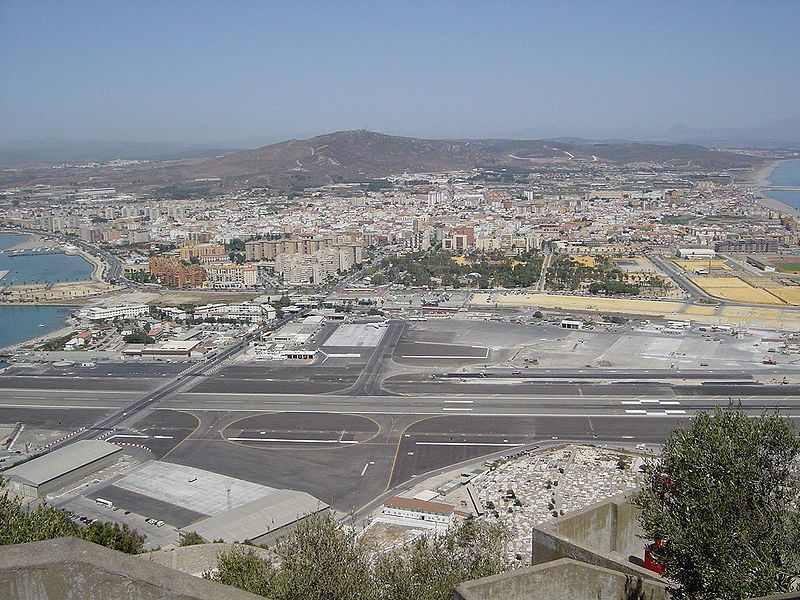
(359, 421)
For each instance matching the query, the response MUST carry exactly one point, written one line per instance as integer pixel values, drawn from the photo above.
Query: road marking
(674, 412)
(650, 401)
(456, 408)
(364, 470)
(124, 435)
(499, 445)
(635, 412)
(162, 437)
(442, 357)
(459, 401)
(54, 406)
(671, 402)
(629, 402)
(291, 441)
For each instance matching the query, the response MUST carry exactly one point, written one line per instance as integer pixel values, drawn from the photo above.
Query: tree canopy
(45, 522)
(722, 499)
(324, 560)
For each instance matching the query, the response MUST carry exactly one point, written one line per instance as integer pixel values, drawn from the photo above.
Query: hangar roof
(258, 517)
(59, 462)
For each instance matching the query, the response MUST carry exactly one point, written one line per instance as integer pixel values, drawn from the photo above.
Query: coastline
(759, 179)
(64, 328)
(69, 293)
(62, 331)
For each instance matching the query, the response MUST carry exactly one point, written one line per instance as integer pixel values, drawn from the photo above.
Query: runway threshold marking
(291, 441)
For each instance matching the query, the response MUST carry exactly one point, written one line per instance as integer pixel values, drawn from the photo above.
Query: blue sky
(210, 72)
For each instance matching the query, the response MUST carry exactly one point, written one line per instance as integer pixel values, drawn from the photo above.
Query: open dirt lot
(761, 316)
(738, 290)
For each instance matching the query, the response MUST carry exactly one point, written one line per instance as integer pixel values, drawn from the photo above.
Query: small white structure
(696, 253)
(571, 324)
(421, 510)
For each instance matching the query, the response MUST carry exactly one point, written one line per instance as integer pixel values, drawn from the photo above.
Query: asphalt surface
(350, 427)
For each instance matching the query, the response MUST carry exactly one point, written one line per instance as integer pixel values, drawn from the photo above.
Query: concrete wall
(196, 560)
(73, 569)
(563, 579)
(603, 534)
(594, 526)
(628, 540)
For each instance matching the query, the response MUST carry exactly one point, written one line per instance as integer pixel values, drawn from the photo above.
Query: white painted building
(126, 311)
(246, 311)
(696, 253)
(420, 510)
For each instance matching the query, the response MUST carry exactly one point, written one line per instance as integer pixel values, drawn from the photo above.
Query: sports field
(788, 266)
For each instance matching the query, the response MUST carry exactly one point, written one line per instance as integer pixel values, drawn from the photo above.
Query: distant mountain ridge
(360, 153)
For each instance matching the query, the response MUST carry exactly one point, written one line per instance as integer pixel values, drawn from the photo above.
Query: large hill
(362, 155)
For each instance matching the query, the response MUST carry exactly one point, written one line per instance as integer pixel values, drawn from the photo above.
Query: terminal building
(60, 468)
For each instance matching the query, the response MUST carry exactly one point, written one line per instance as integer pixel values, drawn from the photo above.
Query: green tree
(115, 536)
(323, 560)
(431, 566)
(721, 499)
(18, 526)
(191, 538)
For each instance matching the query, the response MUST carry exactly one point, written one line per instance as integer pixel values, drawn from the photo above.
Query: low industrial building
(260, 521)
(420, 510)
(188, 348)
(62, 467)
(571, 324)
(760, 263)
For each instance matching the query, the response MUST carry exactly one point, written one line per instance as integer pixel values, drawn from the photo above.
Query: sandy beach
(759, 179)
(67, 329)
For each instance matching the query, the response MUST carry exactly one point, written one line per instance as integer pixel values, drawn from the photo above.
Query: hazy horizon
(206, 74)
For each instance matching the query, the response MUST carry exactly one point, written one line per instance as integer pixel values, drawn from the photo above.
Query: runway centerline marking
(498, 444)
(291, 441)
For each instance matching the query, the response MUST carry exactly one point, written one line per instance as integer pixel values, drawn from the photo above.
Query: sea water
(786, 173)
